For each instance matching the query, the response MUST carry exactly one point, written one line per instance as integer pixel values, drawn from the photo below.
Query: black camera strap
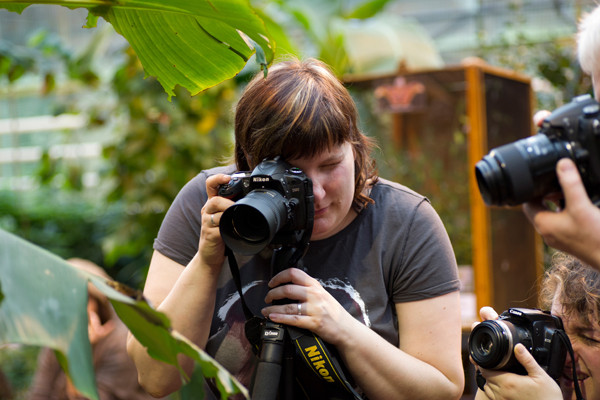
(253, 323)
(565, 339)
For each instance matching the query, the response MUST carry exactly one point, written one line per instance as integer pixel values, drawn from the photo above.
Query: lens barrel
(251, 223)
(491, 344)
(520, 171)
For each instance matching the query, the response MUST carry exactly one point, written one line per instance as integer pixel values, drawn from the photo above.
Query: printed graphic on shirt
(233, 349)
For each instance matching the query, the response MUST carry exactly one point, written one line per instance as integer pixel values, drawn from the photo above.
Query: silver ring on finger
(299, 308)
(212, 221)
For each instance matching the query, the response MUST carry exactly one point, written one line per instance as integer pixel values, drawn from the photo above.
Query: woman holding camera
(378, 281)
(571, 290)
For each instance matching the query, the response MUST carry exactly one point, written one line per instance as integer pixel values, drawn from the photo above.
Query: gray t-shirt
(396, 250)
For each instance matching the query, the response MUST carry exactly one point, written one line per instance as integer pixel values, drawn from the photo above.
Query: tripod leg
(268, 370)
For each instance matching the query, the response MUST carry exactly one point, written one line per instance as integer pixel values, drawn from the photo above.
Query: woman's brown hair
(300, 110)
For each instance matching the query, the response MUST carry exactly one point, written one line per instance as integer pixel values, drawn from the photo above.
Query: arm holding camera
(502, 385)
(574, 229)
(422, 369)
(186, 294)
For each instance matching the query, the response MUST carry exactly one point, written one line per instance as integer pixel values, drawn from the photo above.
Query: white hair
(588, 41)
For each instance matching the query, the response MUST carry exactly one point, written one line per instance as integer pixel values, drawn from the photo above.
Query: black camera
(525, 170)
(491, 342)
(274, 205)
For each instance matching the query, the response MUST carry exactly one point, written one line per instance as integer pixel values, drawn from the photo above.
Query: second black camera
(525, 170)
(491, 342)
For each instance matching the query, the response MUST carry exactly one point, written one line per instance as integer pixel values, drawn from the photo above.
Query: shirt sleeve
(428, 265)
(180, 230)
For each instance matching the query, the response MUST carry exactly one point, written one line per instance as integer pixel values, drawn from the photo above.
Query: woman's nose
(318, 190)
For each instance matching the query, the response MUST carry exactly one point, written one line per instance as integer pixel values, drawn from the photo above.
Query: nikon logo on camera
(320, 364)
(261, 178)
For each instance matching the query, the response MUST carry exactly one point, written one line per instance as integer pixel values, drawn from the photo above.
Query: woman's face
(332, 175)
(585, 338)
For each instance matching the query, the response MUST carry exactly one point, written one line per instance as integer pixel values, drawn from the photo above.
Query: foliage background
(155, 145)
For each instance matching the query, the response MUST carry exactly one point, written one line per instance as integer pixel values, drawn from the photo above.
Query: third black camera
(525, 170)
(274, 205)
(491, 342)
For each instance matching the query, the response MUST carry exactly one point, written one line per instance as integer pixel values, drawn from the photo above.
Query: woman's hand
(502, 385)
(536, 385)
(211, 248)
(315, 310)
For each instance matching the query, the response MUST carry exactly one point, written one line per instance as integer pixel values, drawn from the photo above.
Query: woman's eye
(589, 340)
(330, 165)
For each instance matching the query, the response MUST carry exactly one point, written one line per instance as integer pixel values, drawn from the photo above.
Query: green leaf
(368, 9)
(153, 330)
(45, 304)
(194, 44)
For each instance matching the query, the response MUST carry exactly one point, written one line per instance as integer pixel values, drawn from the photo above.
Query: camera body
(491, 342)
(526, 169)
(274, 206)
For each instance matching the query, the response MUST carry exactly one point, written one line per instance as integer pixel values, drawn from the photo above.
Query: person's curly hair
(578, 286)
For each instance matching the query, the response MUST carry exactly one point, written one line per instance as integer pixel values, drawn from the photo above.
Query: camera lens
(251, 223)
(490, 344)
(521, 171)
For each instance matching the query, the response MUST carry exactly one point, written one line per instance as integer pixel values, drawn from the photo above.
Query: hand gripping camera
(491, 342)
(525, 170)
(274, 205)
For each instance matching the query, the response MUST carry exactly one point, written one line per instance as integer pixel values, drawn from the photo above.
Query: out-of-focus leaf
(45, 304)
(194, 44)
(153, 330)
(368, 9)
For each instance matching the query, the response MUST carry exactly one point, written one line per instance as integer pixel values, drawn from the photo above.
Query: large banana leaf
(193, 43)
(43, 303)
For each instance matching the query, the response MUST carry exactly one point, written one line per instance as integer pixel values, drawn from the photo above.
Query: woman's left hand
(315, 309)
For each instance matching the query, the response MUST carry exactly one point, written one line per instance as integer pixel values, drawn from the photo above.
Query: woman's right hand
(211, 247)
(502, 385)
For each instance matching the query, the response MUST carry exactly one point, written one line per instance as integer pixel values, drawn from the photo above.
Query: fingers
(487, 313)
(526, 359)
(570, 182)
(287, 291)
(540, 116)
(213, 210)
(294, 286)
(291, 275)
(214, 181)
(531, 209)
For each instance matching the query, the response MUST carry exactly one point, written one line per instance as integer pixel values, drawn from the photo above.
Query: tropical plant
(173, 38)
(160, 146)
(317, 28)
(35, 309)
